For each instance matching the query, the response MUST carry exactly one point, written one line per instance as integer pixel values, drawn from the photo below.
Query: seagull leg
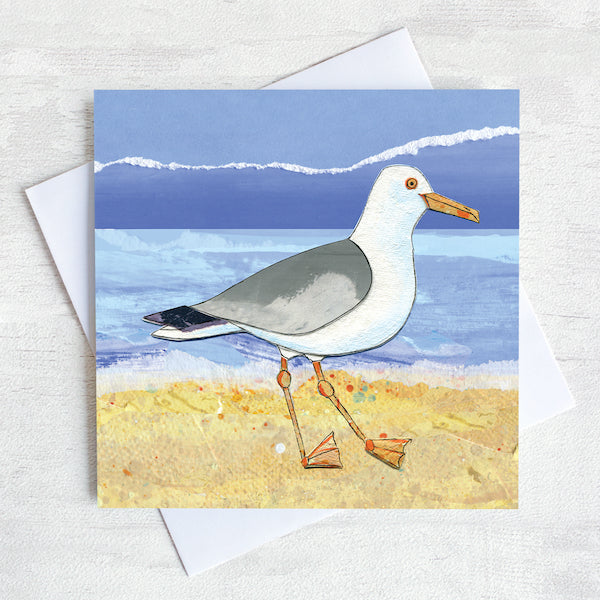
(326, 454)
(327, 390)
(284, 379)
(389, 451)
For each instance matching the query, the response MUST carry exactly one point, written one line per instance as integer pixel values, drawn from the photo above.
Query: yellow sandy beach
(206, 444)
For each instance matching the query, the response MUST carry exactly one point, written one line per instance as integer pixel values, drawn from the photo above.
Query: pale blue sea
(466, 311)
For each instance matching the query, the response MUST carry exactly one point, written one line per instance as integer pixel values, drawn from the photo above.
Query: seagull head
(409, 188)
(399, 198)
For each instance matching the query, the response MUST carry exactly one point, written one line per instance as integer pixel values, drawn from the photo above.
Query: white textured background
(54, 542)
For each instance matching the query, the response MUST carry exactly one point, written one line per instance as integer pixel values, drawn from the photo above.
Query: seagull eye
(411, 183)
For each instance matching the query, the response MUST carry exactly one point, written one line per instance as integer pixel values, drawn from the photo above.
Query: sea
(465, 312)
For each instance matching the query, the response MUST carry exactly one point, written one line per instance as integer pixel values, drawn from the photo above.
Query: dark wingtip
(155, 319)
(181, 318)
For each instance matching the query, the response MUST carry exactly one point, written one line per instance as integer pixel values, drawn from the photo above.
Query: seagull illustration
(337, 299)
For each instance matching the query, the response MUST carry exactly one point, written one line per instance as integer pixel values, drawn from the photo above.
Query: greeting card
(307, 299)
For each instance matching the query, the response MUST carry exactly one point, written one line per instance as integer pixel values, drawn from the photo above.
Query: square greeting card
(307, 299)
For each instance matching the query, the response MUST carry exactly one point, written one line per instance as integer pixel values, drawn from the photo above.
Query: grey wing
(299, 294)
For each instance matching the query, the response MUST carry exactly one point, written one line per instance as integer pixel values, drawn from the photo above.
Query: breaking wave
(412, 147)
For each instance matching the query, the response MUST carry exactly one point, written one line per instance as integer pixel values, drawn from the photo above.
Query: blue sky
(313, 128)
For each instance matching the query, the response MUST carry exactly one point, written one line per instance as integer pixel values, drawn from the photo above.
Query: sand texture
(207, 444)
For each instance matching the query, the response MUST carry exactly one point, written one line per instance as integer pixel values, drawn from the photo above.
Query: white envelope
(207, 537)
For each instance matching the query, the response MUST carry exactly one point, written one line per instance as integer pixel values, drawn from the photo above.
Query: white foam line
(413, 147)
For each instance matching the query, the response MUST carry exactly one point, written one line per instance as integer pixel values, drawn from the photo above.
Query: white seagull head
(399, 198)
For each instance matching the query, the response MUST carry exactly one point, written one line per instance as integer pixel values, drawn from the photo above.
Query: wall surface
(54, 542)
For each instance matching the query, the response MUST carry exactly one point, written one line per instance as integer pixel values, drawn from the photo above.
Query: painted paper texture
(307, 299)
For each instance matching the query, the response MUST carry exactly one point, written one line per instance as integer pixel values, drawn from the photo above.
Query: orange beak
(445, 205)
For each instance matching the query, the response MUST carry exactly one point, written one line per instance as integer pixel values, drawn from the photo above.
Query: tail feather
(210, 330)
